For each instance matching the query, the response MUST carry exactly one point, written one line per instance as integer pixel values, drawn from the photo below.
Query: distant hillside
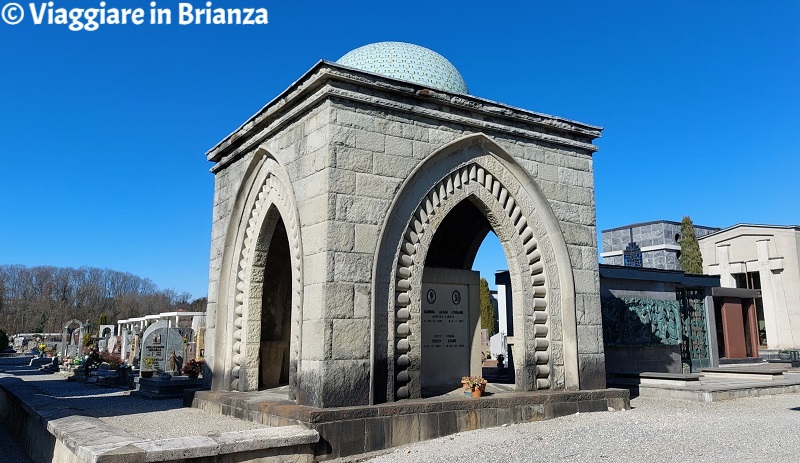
(42, 299)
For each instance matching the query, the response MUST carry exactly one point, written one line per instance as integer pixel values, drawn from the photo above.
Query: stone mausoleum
(653, 244)
(347, 215)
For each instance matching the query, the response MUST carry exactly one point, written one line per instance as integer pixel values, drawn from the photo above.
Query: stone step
(755, 373)
(653, 378)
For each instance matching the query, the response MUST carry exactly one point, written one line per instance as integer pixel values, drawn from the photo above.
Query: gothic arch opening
(502, 212)
(259, 317)
(451, 318)
(540, 272)
(276, 309)
(458, 238)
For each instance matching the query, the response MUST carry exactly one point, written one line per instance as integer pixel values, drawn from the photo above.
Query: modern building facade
(762, 262)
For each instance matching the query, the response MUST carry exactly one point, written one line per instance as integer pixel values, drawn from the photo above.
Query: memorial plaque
(160, 342)
(445, 334)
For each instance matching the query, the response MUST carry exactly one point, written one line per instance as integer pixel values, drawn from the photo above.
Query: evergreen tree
(691, 260)
(39, 328)
(487, 309)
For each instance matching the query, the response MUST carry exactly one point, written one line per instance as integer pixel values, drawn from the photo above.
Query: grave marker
(160, 341)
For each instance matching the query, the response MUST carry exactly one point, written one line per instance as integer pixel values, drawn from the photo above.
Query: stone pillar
(751, 333)
(726, 279)
(711, 328)
(776, 314)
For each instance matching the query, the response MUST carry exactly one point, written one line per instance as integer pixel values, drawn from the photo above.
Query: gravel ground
(656, 430)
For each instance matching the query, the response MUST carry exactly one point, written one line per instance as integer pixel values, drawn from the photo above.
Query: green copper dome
(405, 61)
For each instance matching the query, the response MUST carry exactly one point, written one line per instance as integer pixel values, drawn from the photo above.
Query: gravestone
(125, 343)
(497, 345)
(160, 341)
(135, 349)
(107, 330)
(113, 345)
(485, 341)
(191, 351)
(199, 327)
(71, 337)
(448, 329)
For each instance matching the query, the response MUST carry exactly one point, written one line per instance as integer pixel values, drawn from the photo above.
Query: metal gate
(694, 346)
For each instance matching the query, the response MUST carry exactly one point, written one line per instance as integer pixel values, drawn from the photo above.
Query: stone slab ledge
(766, 370)
(659, 375)
(715, 395)
(357, 430)
(92, 441)
(307, 414)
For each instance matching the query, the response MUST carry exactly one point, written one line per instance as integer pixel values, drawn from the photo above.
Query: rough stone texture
(657, 240)
(347, 159)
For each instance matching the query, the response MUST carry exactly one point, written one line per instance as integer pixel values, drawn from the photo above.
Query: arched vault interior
(459, 237)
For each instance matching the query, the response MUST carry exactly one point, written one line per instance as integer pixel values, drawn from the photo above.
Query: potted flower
(474, 385)
(193, 368)
(147, 366)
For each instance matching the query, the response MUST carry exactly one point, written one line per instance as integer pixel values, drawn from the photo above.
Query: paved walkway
(101, 419)
(148, 419)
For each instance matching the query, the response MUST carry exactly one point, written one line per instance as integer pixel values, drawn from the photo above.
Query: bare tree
(45, 297)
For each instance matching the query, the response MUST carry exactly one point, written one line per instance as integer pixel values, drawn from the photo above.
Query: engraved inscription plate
(445, 335)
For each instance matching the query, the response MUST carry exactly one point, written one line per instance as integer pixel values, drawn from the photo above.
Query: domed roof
(409, 62)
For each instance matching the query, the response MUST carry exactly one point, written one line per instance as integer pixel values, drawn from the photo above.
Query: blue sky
(104, 132)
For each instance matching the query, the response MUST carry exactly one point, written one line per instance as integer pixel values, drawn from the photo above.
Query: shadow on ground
(61, 398)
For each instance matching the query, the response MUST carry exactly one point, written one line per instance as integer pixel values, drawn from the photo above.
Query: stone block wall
(342, 154)
(658, 241)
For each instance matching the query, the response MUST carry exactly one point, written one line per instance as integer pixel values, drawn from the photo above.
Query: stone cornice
(327, 79)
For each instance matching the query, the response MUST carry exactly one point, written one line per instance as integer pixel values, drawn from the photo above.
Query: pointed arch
(475, 167)
(264, 199)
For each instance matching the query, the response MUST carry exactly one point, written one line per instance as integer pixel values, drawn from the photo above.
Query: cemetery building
(759, 302)
(649, 244)
(754, 306)
(656, 318)
(347, 215)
